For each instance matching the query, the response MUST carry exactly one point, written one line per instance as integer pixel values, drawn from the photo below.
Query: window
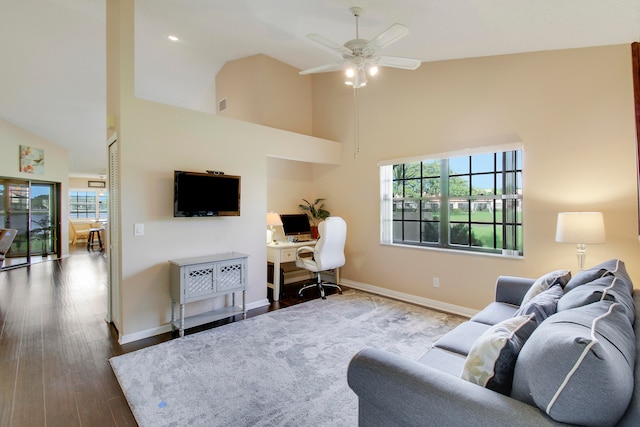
(463, 202)
(87, 204)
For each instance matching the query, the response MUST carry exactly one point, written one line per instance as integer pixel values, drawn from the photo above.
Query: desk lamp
(273, 219)
(580, 228)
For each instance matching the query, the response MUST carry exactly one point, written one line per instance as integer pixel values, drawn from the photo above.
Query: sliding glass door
(44, 220)
(32, 208)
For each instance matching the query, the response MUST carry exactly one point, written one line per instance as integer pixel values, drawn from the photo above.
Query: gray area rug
(283, 368)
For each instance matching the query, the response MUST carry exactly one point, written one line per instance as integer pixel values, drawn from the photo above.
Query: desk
(278, 253)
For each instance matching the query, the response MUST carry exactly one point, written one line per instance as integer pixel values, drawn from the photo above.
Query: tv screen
(295, 224)
(205, 194)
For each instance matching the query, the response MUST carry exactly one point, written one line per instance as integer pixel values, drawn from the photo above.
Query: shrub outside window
(460, 202)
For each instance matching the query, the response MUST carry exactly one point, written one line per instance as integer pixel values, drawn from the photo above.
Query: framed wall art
(31, 160)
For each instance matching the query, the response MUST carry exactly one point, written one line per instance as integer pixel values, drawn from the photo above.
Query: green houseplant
(316, 213)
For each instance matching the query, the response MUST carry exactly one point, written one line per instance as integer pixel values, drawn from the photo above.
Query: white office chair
(328, 253)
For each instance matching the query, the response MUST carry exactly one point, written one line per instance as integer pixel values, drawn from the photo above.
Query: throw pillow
(543, 283)
(612, 266)
(585, 276)
(577, 366)
(492, 358)
(585, 294)
(542, 305)
(609, 288)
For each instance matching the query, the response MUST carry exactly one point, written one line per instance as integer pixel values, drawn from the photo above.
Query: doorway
(32, 208)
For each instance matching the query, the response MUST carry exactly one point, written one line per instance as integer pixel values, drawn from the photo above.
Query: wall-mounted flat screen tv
(205, 194)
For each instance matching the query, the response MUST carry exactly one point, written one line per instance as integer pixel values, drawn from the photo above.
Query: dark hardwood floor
(55, 344)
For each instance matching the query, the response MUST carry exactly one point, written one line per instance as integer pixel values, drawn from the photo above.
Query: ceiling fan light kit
(361, 57)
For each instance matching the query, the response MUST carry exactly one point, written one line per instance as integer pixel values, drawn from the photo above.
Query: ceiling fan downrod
(356, 12)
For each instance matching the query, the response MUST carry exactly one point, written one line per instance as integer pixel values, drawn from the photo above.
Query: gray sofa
(570, 359)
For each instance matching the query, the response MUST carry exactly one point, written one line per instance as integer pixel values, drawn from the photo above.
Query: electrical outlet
(436, 282)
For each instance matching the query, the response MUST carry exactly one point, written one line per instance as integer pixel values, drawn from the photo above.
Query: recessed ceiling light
(173, 38)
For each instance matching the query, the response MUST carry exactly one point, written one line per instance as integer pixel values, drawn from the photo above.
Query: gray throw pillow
(609, 288)
(612, 266)
(585, 294)
(577, 366)
(493, 355)
(542, 305)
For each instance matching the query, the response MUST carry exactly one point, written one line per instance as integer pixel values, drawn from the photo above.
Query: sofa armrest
(511, 289)
(396, 391)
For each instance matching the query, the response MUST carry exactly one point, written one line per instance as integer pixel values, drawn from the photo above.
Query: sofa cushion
(610, 267)
(577, 366)
(609, 288)
(585, 294)
(443, 361)
(461, 338)
(543, 283)
(542, 305)
(585, 276)
(492, 358)
(495, 313)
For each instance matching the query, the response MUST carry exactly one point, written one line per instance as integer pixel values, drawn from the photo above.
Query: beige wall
(573, 112)
(84, 183)
(156, 139)
(56, 168)
(262, 90)
(288, 182)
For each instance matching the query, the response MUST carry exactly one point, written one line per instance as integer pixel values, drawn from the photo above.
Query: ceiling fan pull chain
(356, 124)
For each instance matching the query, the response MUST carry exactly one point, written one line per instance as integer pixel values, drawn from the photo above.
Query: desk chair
(328, 252)
(6, 239)
(78, 233)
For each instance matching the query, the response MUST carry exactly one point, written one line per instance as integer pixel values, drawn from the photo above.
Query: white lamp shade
(273, 219)
(580, 228)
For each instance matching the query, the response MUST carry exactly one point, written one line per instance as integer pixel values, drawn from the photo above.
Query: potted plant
(316, 213)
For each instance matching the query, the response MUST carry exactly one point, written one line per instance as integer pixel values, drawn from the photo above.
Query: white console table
(199, 278)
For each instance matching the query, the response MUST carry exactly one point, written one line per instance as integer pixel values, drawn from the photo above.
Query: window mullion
(444, 202)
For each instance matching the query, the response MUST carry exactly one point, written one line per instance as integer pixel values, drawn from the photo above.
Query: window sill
(454, 251)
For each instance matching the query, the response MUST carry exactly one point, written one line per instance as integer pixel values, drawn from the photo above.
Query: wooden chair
(78, 233)
(6, 238)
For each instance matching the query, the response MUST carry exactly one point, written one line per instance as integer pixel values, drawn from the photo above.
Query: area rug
(284, 368)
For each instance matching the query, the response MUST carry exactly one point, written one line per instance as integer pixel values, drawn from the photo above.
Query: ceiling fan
(361, 57)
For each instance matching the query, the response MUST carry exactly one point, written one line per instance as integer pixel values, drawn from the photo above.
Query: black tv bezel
(199, 214)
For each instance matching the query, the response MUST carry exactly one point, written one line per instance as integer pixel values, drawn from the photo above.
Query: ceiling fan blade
(388, 36)
(398, 62)
(324, 68)
(330, 44)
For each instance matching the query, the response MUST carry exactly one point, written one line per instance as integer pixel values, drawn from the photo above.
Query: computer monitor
(295, 224)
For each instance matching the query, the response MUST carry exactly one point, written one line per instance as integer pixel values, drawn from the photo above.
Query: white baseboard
(124, 339)
(258, 304)
(425, 302)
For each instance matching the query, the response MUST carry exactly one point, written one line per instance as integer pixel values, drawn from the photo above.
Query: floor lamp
(581, 228)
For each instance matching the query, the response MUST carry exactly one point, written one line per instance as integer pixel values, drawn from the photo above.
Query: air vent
(222, 105)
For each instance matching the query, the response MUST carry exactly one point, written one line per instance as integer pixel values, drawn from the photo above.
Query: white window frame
(387, 199)
(97, 196)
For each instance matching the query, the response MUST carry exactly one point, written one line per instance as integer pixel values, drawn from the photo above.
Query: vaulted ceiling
(53, 51)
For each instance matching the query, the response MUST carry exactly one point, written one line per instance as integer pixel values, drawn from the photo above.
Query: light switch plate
(138, 230)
